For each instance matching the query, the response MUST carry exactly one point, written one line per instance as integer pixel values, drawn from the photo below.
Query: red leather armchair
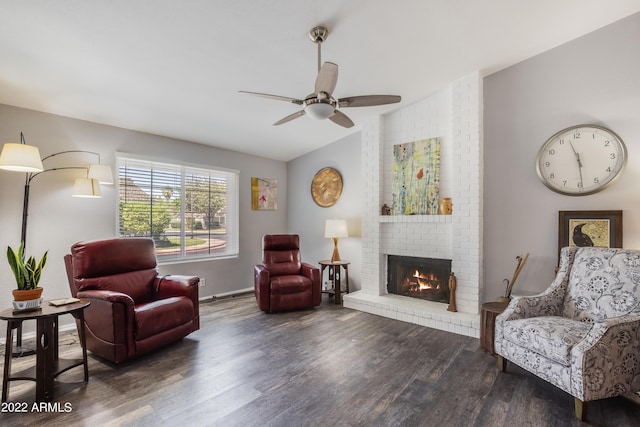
(133, 310)
(283, 281)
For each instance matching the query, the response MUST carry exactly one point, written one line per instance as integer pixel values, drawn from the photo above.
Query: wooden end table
(488, 314)
(334, 275)
(48, 364)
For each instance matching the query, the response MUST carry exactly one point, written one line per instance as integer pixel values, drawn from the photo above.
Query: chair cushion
(282, 262)
(281, 254)
(551, 337)
(290, 284)
(159, 316)
(105, 257)
(603, 284)
(137, 284)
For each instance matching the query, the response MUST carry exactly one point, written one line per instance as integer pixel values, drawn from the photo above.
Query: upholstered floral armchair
(583, 333)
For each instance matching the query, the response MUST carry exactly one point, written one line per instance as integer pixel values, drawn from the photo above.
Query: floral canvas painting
(264, 194)
(416, 177)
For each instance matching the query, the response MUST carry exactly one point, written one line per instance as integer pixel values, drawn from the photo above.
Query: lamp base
(336, 255)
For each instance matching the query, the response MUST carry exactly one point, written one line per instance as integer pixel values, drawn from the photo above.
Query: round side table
(488, 314)
(334, 276)
(48, 364)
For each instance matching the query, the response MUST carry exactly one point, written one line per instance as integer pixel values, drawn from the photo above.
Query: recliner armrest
(173, 286)
(107, 296)
(261, 278)
(111, 316)
(310, 271)
(313, 273)
(180, 285)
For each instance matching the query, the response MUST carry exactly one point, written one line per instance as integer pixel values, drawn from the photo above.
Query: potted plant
(27, 273)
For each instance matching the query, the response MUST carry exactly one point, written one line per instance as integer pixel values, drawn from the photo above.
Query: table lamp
(334, 229)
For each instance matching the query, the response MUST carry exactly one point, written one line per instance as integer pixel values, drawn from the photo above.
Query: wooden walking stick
(519, 267)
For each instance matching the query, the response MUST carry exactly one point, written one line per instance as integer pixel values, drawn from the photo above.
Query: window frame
(232, 229)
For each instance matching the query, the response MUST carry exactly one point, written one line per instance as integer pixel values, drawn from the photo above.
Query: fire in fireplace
(424, 278)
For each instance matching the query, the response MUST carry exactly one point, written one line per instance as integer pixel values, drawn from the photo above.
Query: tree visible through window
(190, 212)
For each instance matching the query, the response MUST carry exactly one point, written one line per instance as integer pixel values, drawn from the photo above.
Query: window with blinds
(190, 212)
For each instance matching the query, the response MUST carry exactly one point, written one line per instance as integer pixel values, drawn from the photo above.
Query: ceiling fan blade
(289, 118)
(276, 97)
(341, 119)
(368, 100)
(327, 78)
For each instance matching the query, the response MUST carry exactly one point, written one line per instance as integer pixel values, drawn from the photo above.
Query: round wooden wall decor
(326, 187)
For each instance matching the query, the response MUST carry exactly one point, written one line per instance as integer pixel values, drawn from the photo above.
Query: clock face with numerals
(581, 160)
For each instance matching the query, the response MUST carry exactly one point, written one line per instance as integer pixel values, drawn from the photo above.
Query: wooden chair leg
(502, 363)
(581, 408)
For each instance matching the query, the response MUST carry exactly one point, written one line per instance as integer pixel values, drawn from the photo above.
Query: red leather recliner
(133, 310)
(283, 281)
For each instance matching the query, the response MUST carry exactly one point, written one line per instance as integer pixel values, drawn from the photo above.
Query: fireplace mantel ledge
(426, 313)
(443, 219)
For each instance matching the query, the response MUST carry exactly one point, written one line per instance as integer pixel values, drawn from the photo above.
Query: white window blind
(190, 212)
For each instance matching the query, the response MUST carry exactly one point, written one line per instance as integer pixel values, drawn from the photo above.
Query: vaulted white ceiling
(174, 68)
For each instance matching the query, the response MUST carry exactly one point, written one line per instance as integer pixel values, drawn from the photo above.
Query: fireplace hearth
(423, 278)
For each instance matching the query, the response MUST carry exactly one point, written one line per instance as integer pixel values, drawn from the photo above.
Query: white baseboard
(226, 294)
(32, 335)
(72, 326)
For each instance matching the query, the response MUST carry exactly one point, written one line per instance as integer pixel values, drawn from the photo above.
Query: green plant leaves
(27, 273)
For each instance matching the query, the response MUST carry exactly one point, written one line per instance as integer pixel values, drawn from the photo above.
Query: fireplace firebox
(423, 278)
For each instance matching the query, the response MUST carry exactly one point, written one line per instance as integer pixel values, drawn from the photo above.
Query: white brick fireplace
(455, 115)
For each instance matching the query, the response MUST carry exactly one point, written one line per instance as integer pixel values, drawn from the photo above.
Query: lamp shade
(102, 173)
(86, 187)
(319, 110)
(20, 158)
(335, 228)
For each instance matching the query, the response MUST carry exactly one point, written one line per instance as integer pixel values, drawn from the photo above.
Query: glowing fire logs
(424, 285)
(423, 278)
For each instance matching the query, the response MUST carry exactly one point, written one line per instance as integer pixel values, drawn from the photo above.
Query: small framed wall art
(589, 228)
(264, 194)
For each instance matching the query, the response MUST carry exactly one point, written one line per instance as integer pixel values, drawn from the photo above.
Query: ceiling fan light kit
(321, 104)
(319, 110)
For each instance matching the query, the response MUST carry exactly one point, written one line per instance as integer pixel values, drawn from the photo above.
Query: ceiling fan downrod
(318, 35)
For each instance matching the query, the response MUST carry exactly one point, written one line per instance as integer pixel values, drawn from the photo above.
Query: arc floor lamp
(20, 157)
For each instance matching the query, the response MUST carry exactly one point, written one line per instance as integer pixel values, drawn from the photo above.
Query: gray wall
(57, 220)
(593, 79)
(306, 218)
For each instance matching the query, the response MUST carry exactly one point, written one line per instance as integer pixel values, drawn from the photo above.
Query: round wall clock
(326, 187)
(581, 160)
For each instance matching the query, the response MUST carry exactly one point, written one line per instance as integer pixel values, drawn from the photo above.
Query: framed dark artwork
(589, 228)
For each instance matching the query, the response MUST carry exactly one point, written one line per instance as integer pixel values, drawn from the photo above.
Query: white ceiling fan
(321, 104)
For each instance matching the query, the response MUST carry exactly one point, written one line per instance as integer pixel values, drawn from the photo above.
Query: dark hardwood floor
(325, 367)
